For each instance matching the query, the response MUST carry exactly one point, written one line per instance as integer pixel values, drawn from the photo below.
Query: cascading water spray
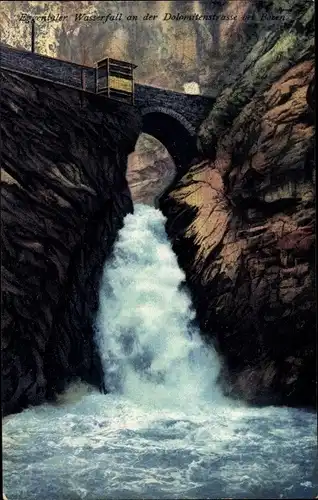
(149, 347)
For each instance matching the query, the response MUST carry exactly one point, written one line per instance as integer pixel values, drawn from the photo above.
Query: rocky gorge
(242, 222)
(158, 317)
(64, 197)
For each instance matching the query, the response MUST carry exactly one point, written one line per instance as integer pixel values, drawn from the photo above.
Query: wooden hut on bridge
(115, 79)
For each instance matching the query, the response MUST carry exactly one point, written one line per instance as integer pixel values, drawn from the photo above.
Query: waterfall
(163, 430)
(150, 348)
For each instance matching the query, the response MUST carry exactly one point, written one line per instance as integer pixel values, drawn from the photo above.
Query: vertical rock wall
(64, 196)
(243, 221)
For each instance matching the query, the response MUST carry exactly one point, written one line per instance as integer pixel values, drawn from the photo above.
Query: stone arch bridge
(171, 117)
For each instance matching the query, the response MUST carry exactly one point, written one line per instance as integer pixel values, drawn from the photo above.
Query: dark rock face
(242, 224)
(64, 196)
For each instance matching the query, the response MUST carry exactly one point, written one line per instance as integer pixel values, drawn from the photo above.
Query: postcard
(158, 335)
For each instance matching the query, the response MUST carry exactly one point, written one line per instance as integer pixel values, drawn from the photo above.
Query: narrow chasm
(158, 305)
(164, 429)
(242, 223)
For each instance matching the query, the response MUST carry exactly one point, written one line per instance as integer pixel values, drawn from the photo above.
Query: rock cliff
(242, 222)
(150, 170)
(64, 196)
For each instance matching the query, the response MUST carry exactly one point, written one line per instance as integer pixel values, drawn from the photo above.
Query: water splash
(149, 347)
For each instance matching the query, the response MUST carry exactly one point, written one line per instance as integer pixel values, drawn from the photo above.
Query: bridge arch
(173, 131)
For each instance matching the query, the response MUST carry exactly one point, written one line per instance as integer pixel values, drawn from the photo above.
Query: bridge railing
(44, 67)
(111, 78)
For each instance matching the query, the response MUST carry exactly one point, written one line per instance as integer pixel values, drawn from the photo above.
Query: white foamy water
(164, 431)
(150, 349)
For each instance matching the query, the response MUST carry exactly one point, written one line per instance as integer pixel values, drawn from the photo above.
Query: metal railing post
(96, 78)
(132, 85)
(83, 79)
(107, 76)
(32, 34)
